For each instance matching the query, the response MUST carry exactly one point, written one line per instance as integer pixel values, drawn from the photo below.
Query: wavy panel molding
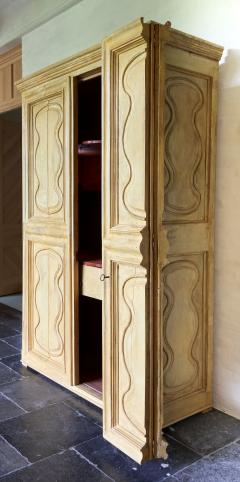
(128, 163)
(131, 290)
(48, 157)
(130, 73)
(185, 147)
(48, 337)
(183, 362)
(128, 332)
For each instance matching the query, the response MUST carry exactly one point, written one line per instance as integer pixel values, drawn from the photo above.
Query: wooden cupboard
(10, 173)
(151, 219)
(10, 73)
(10, 203)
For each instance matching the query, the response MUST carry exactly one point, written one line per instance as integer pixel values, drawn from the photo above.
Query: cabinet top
(72, 65)
(195, 44)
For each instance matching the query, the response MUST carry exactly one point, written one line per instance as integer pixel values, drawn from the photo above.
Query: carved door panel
(188, 217)
(127, 251)
(10, 204)
(47, 220)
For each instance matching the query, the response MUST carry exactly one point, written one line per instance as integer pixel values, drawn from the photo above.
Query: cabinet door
(188, 218)
(129, 331)
(10, 205)
(47, 295)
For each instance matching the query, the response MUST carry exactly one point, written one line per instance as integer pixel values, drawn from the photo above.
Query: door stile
(159, 244)
(74, 231)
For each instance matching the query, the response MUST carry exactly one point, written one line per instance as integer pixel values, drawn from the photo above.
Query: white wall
(89, 21)
(17, 17)
(217, 21)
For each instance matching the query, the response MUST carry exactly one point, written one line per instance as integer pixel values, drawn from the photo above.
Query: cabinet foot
(207, 410)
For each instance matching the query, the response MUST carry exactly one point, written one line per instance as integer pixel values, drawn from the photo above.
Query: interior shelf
(95, 384)
(92, 262)
(90, 259)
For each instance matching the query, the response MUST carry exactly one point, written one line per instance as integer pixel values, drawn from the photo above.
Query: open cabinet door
(132, 113)
(47, 317)
(10, 204)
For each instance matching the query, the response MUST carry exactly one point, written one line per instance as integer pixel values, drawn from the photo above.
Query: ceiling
(18, 17)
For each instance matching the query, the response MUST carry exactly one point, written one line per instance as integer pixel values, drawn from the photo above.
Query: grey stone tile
(10, 311)
(6, 331)
(65, 467)
(85, 408)
(205, 433)
(7, 350)
(15, 341)
(171, 478)
(34, 393)
(14, 362)
(8, 409)
(222, 466)
(10, 459)
(7, 376)
(11, 318)
(121, 468)
(48, 431)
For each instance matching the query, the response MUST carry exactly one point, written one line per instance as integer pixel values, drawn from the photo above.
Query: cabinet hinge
(153, 242)
(153, 448)
(154, 34)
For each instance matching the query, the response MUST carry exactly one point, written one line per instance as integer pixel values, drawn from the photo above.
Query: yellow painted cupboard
(118, 240)
(10, 73)
(10, 173)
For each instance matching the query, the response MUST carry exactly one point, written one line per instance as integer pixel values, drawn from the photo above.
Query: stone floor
(48, 434)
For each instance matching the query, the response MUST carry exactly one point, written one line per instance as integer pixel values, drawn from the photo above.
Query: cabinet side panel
(190, 114)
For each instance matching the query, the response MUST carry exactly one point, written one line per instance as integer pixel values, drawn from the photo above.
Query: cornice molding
(194, 45)
(11, 55)
(64, 67)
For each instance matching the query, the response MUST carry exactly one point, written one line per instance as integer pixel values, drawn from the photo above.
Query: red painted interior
(90, 238)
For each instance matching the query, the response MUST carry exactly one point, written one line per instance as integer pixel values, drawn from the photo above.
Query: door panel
(188, 219)
(127, 247)
(47, 177)
(47, 247)
(184, 328)
(186, 173)
(10, 204)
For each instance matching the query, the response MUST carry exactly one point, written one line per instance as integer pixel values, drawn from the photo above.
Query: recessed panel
(184, 326)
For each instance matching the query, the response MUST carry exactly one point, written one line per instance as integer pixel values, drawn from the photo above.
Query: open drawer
(91, 284)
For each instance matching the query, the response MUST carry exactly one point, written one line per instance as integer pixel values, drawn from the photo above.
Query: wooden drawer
(91, 285)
